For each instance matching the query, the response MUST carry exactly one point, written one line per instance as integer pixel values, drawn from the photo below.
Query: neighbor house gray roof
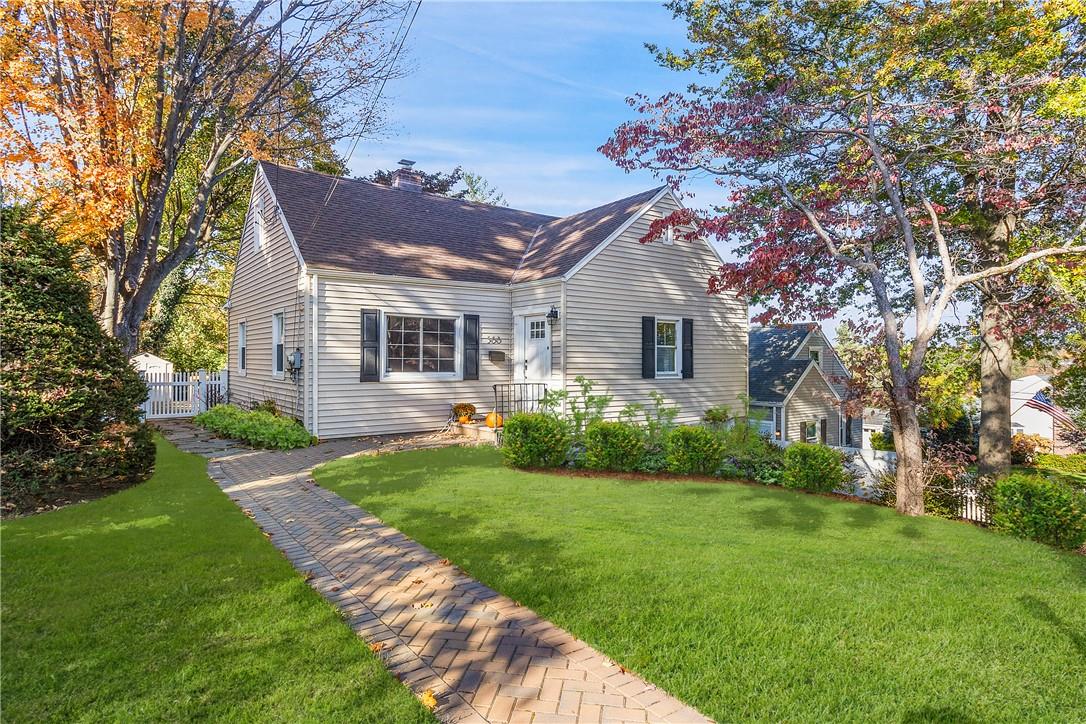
(773, 372)
(368, 227)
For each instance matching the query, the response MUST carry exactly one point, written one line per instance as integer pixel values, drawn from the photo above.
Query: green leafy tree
(438, 182)
(71, 417)
(478, 189)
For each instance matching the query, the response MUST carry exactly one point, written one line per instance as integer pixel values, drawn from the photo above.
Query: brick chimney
(405, 178)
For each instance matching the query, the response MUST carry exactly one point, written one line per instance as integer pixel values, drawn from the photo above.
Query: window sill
(670, 376)
(417, 376)
(278, 375)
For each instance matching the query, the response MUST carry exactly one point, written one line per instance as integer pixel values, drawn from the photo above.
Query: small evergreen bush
(535, 440)
(259, 428)
(613, 446)
(882, 441)
(693, 450)
(1075, 464)
(1040, 509)
(817, 468)
(70, 400)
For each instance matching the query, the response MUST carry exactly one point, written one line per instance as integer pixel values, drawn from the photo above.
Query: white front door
(535, 362)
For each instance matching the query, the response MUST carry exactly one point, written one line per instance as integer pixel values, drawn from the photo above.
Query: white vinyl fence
(182, 394)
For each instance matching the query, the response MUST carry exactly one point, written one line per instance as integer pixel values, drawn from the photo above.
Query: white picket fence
(182, 394)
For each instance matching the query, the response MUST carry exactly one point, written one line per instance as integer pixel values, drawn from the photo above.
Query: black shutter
(471, 347)
(648, 347)
(822, 430)
(371, 346)
(688, 348)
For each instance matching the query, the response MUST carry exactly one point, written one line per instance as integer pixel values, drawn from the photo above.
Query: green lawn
(757, 603)
(163, 602)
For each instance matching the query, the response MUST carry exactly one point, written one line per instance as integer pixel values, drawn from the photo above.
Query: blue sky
(524, 93)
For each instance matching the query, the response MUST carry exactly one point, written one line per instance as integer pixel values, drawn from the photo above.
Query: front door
(535, 366)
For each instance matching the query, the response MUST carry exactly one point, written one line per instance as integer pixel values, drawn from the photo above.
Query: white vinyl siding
(265, 282)
(606, 299)
(404, 403)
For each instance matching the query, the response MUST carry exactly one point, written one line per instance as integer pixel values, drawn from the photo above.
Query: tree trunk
(996, 352)
(909, 474)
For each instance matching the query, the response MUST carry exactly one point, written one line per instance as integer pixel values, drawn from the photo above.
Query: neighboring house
(1032, 420)
(875, 420)
(798, 385)
(400, 302)
(145, 363)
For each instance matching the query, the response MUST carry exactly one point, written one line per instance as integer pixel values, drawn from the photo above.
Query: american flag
(1041, 402)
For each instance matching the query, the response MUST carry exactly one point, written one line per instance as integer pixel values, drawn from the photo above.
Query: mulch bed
(17, 504)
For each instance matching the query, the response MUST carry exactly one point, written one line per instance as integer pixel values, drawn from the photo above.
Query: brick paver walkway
(483, 656)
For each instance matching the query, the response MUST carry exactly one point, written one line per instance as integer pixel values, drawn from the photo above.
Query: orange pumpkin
(465, 419)
(493, 420)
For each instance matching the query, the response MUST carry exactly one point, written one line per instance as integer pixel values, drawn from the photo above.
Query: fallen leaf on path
(377, 646)
(444, 561)
(428, 699)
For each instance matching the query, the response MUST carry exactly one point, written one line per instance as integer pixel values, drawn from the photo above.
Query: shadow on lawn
(936, 715)
(1041, 611)
(388, 473)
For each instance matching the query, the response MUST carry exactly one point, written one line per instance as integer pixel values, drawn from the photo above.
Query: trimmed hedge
(613, 446)
(259, 428)
(535, 440)
(1041, 509)
(817, 468)
(1075, 464)
(693, 451)
(71, 402)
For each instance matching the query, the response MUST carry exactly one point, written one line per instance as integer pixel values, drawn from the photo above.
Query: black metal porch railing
(509, 399)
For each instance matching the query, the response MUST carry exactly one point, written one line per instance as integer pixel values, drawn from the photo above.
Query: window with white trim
(537, 329)
(810, 431)
(278, 333)
(669, 236)
(668, 343)
(815, 353)
(258, 223)
(425, 345)
(242, 343)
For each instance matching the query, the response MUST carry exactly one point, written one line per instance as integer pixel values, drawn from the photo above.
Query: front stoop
(475, 431)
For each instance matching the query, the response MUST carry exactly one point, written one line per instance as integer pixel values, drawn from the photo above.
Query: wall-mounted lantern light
(552, 316)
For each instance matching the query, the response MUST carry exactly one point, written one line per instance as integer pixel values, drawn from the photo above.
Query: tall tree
(478, 189)
(105, 103)
(855, 141)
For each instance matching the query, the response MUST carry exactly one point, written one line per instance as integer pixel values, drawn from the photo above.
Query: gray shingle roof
(772, 371)
(367, 227)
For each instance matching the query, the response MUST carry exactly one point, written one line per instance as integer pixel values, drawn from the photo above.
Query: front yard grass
(163, 602)
(757, 603)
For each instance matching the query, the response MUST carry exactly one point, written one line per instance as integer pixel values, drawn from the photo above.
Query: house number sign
(492, 339)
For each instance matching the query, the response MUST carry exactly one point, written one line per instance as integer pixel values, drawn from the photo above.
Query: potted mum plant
(464, 412)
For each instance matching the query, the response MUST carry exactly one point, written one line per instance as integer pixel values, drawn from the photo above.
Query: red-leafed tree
(896, 157)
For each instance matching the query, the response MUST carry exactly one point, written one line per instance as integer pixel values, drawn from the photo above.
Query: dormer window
(816, 355)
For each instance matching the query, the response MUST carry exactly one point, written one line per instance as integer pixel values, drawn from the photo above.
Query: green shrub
(718, 415)
(1074, 464)
(269, 406)
(535, 440)
(817, 468)
(882, 441)
(655, 425)
(259, 428)
(613, 446)
(693, 450)
(70, 400)
(1025, 448)
(749, 455)
(1041, 509)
